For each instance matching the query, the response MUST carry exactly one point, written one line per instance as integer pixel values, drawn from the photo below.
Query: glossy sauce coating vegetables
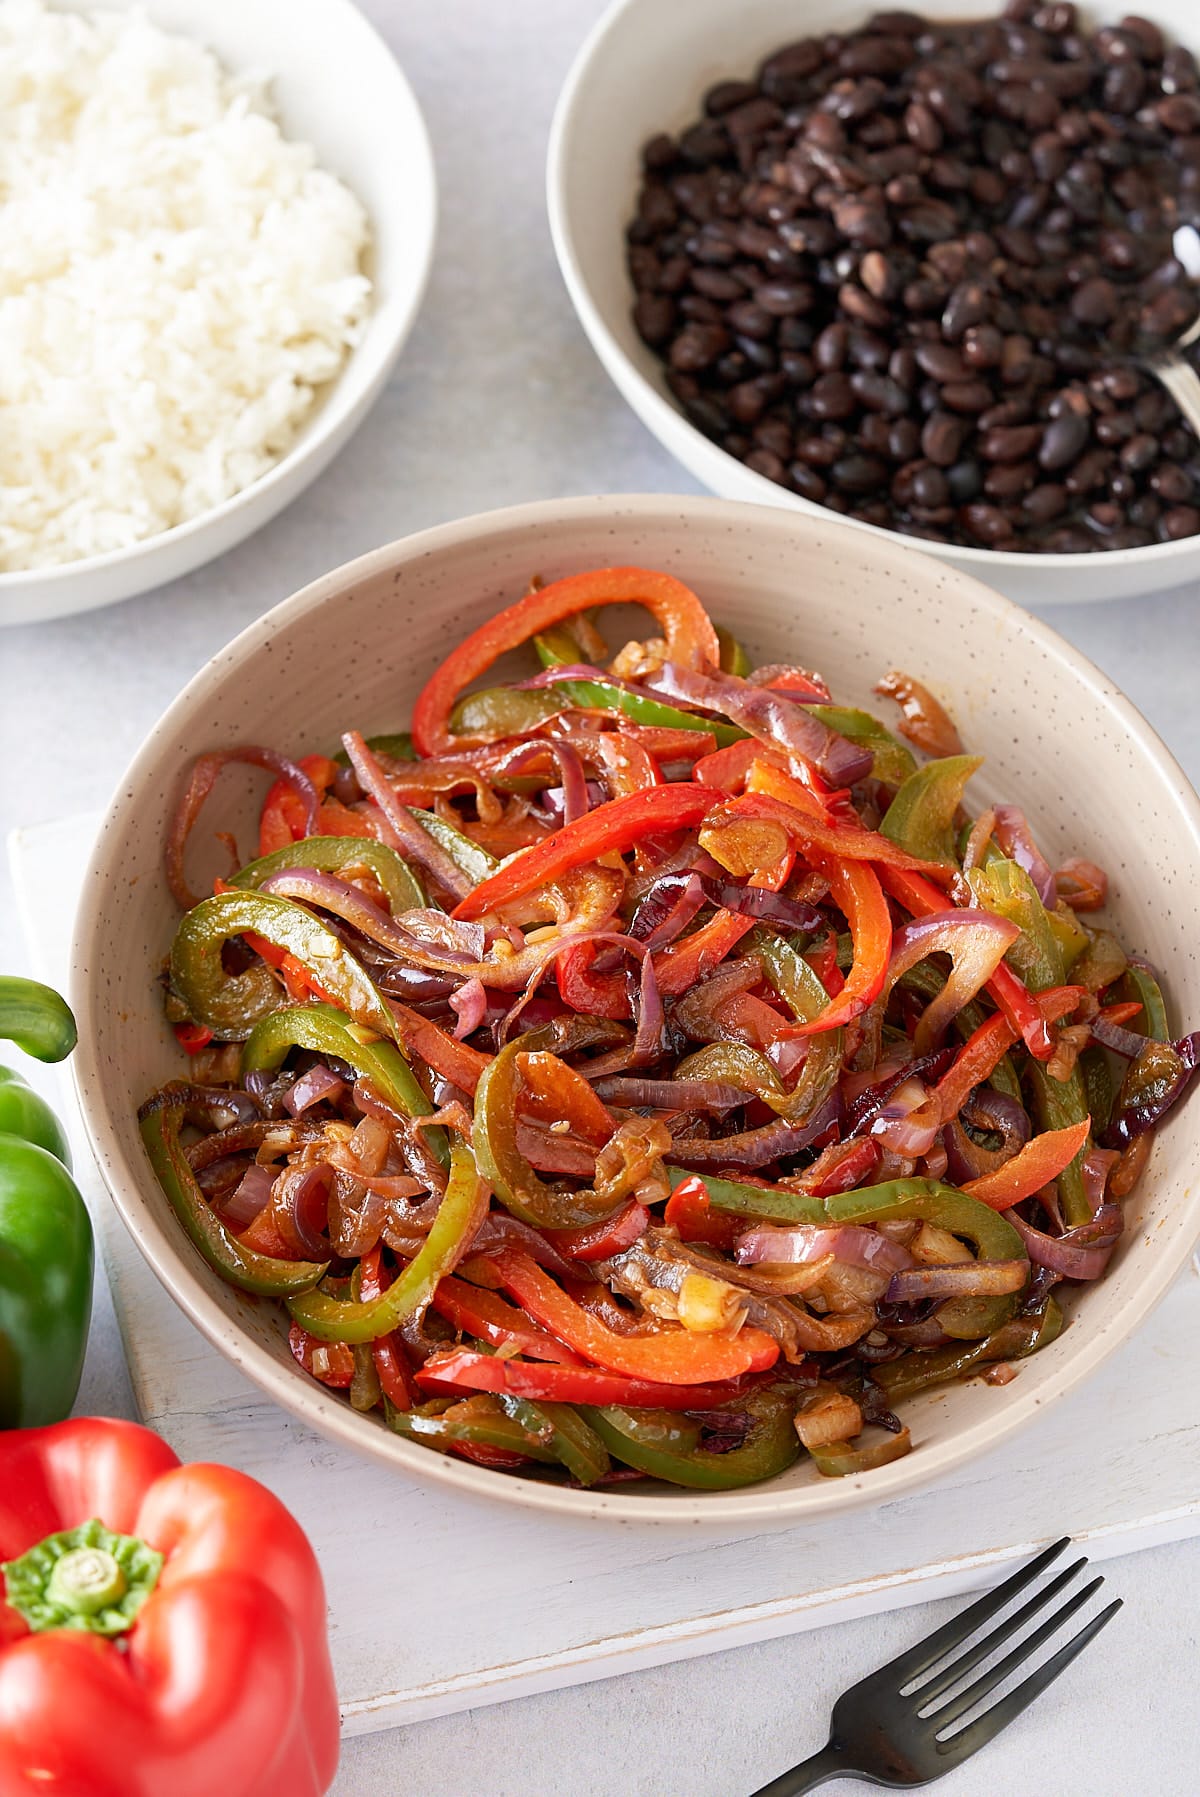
(650, 1069)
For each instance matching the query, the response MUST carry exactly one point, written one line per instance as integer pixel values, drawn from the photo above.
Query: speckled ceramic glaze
(353, 649)
(643, 70)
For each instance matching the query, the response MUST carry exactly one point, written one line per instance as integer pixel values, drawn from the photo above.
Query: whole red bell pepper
(164, 1629)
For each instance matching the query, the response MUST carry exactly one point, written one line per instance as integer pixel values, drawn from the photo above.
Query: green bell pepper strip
(36, 1018)
(1146, 990)
(1006, 889)
(921, 816)
(1003, 887)
(899, 1379)
(459, 1215)
(558, 647)
(773, 1206)
(324, 1030)
(478, 1420)
(669, 1429)
(561, 1428)
(25, 1113)
(893, 764)
(1097, 1088)
(160, 1119)
(801, 990)
(85, 1578)
(511, 711)
(1070, 935)
(399, 746)
(1058, 1103)
(332, 853)
(1102, 962)
(518, 1187)
(770, 1447)
(734, 659)
(46, 1260)
(475, 862)
(990, 1234)
(842, 1459)
(231, 1004)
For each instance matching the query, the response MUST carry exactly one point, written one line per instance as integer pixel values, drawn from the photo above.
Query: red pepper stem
(85, 1578)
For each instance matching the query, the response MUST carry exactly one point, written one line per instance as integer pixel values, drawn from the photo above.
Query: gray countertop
(497, 399)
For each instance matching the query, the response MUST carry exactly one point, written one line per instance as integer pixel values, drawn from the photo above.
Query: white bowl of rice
(218, 218)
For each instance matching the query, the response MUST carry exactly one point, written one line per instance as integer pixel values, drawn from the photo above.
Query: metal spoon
(1170, 366)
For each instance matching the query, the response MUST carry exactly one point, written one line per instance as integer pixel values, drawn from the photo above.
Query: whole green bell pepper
(46, 1251)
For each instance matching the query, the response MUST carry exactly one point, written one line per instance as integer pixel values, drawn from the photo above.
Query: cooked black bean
(904, 271)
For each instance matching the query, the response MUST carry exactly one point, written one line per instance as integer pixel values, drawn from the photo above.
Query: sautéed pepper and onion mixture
(648, 1067)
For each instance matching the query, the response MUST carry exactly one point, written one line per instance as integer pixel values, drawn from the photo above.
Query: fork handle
(1183, 384)
(823, 1766)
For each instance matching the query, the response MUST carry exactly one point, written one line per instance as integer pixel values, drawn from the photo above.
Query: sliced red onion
(306, 1192)
(356, 1217)
(786, 1054)
(428, 937)
(403, 831)
(958, 1279)
(672, 1094)
(1081, 1253)
(253, 1193)
(850, 1243)
(498, 1230)
(768, 716)
(419, 985)
(1094, 1170)
(756, 901)
(311, 1087)
(976, 942)
(200, 784)
(469, 1005)
(996, 1112)
(865, 1100)
(666, 909)
(554, 802)
(909, 1121)
(575, 793)
(574, 670)
(1127, 1043)
(758, 1147)
(1014, 836)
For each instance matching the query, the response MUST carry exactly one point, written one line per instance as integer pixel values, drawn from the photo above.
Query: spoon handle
(1182, 383)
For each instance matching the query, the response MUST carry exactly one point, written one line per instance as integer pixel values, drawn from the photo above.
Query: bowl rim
(661, 415)
(171, 1259)
(370, 359)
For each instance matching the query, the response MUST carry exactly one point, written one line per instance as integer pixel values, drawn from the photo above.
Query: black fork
(878, 1733)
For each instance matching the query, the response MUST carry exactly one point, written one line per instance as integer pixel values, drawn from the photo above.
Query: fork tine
(927, 1653)
(984, 1729)
(995, 1675)
(941, 1681)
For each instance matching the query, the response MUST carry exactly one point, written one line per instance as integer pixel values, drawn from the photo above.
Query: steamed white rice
(176, 281)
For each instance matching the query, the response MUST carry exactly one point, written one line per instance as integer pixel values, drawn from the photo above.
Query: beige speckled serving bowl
(353, 649)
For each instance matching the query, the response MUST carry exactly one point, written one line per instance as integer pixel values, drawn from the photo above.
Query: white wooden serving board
(439, 1603)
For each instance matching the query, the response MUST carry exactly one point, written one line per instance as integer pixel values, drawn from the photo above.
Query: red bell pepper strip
(490, 1318)
(920, 897)
(672, 1356)
(979, 1056)
(391, 1364)
(611, 1235)
(1034, 1166)
(684, 964)
(192, 1037)
(462, 1370)
(594, 994)
(285, 818)
(456, 1061)
(331, 1363)
(691, 639)
(690, 1213)
(608, 829)
(193, 1658)
(855, 890)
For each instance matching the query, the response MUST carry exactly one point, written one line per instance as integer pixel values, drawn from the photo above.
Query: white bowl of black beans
(902, 267)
